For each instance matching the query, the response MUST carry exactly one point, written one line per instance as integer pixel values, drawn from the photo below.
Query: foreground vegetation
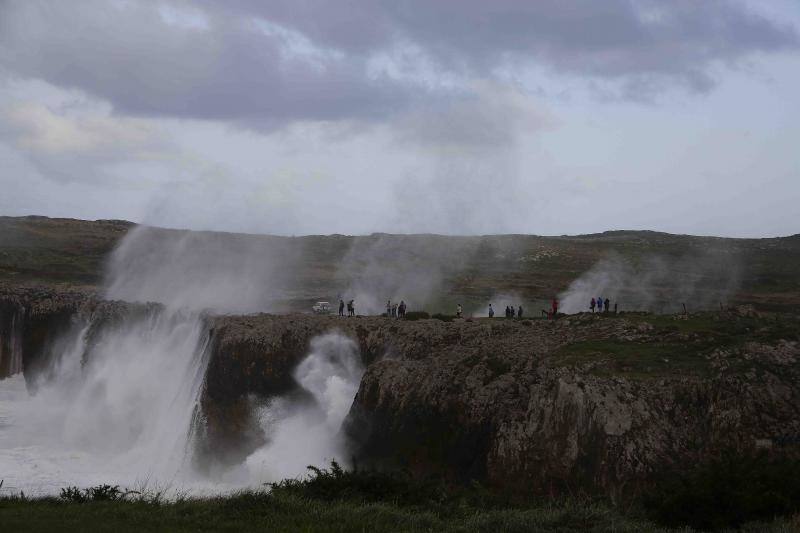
(335, 500)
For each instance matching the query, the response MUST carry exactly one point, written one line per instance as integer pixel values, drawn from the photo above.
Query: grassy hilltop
(763, 272)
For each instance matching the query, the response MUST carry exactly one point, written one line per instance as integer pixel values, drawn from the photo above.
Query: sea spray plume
(118, 409)
(418, 269)
(200, 270)
(390, 267)
(117, 403)
(305, 429)
(658, 283)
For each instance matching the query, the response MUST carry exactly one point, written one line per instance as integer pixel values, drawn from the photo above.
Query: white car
(321, 308)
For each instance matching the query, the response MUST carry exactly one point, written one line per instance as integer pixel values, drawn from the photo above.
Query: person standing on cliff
(591, 305)
(402, 309)
(511, 312)
(491, 311)
(555, 308)
(351, 308)
(341, 307)
(519, 312)
(607, 304)
(459, 311)
(388, 308)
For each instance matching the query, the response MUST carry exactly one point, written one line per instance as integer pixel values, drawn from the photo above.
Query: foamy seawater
(68, 433)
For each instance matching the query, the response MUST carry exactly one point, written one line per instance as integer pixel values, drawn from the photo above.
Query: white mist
(304, 430)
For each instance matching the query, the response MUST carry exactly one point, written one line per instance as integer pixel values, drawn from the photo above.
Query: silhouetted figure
(394, 311)
(402, 309)
(519, 312)
(555, 308)
(511, 311)
(591, 305)
(341, 307)
(458, 311)
(388, 308)
(491, 311)
(351, 308)
(615, 308)
(607, 304)
(599, 304)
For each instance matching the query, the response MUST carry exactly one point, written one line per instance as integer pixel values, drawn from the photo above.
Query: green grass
(635, 359)
(260, 511)
(338, 500)
(676, 344)
(473, 270)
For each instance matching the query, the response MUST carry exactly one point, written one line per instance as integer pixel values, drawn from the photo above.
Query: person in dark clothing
(591, 305)
(341, 307)
(459, 311)
(519, 312)
(555, 308)
(507, 311)
(608, 304)
(491, 311)
(351, 308)
(511, 312)
(615, 308)
(402, 309)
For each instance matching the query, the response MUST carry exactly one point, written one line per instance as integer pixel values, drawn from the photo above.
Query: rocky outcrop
(38, 322)
(33, 320)
(252, 359)
(521, 412)
(586, 403)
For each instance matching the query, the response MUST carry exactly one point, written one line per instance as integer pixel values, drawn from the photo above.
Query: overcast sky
(356, 116)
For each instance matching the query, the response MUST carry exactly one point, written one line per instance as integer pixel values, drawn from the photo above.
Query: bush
(416, 315)
(727, 492)
(395, 487)
(100, 493)
(442, 317)
(336, 483)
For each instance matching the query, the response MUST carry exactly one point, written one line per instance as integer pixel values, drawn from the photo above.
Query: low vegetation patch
(333, 499)
(416, 315)
(727, 492)
(635, 359)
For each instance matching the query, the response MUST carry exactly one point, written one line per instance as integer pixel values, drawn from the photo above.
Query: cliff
(585, 403)
(594, 404)
(588, 402)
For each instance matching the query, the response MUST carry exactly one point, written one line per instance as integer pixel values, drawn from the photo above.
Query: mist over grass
(658, 283)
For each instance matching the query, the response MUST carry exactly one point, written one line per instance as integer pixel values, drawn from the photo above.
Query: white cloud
(43, 131)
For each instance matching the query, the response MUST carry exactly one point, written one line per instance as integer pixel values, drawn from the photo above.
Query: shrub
(99, 493)
(417, 315)
(727, 492)
(442, 317)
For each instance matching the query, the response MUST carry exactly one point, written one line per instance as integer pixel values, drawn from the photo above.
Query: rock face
(32, 322)
(584, 403)
(512, 405)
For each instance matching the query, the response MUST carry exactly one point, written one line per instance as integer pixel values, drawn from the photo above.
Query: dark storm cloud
(230, 69)
(610, 39)
(269, 63)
